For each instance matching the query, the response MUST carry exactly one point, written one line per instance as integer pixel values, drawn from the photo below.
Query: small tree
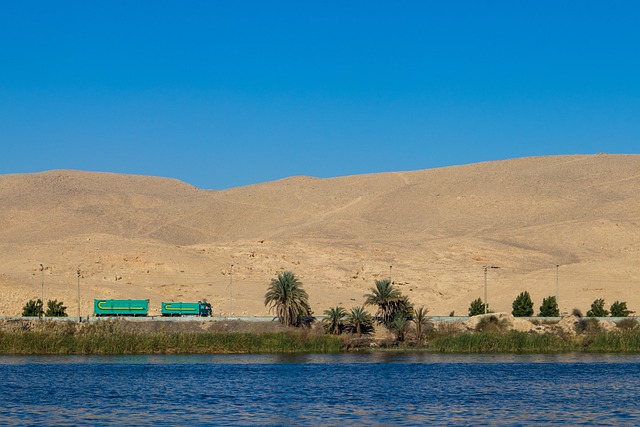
(522, 305)
(286, 297)
(56, 309)
(619, 309)
(549, 307)
(333, 322)
(478, 307)
(421, 320)
(597, 309)
(33, 308)
(359, 322)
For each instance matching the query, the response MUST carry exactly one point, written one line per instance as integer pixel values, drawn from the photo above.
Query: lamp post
(231, 290)
(486, 303)
(42, 271)
(557, 300)
(78, 272)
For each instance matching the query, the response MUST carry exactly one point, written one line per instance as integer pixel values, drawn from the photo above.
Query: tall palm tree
(333, 323)
(359, 321)
(286, 297)
(420, 319)
(386, 297)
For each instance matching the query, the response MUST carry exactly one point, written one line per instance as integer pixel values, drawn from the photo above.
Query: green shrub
(597, 309)
(619, 309)
(33, 308)
(522, 305)
(549, 307)
(56, 309)
(478, 307)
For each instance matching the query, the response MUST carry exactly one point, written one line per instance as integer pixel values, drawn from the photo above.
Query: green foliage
(477, 307)
(549, 307)
(286, 297)
(597, 309)
(619, 309)
(522, 305)
(100, 338)
(420, 320)
(334, 320)
(453, 313)
(386, 297)
(399, 325)
(359, 322)
(56, 309)
(33, 308)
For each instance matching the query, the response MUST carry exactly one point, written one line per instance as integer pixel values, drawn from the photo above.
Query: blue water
(350, 389)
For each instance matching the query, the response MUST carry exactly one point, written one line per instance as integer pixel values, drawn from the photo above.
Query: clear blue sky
(222, 94)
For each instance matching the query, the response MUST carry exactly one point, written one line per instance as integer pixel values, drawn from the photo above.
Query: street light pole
(42, 271)
(485, 290)
(231, 291)
(78, 272)
(557, 300)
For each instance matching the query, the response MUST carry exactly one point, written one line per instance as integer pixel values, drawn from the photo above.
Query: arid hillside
(433, 231)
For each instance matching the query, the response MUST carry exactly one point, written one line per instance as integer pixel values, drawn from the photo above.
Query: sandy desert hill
(433, 231)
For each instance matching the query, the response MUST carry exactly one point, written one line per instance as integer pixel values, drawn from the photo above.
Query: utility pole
(486, 303)
(557, 300)
(231, 291)
(390, 281)
(78, 272)
(42, 271)
(485, 290)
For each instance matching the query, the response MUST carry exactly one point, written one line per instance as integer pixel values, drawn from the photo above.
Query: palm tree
(333, 323)
(386, 297)
(56, 309)
(420, 319)
(286, 297)
(359, 321)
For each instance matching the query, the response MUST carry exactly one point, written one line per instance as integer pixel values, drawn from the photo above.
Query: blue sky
(222, 94)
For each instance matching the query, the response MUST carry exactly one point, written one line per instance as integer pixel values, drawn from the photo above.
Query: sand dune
(162, 239)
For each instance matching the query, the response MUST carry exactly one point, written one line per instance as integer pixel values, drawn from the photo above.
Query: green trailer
(175, 309)
(120, 307)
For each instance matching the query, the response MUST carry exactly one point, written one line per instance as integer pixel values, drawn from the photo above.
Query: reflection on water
(382, 388)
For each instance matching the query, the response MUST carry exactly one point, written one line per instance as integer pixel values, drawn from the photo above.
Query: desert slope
(157, 238)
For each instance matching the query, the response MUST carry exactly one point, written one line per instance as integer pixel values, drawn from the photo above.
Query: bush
(56, 309)
(576, 312)
(627, 324)
(619, 309)
(588, 326)
(33, 308)
(522, 305)
(597, 309)
(478, 307)
(549, 307)
(491, 324)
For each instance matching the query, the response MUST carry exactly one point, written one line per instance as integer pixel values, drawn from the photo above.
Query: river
(350, 389)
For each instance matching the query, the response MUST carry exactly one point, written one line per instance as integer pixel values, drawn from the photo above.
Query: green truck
(176, 309)
(120, 307)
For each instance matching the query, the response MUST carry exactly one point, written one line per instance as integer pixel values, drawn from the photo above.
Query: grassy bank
(121, 337)
(103, 338)
(525, 342)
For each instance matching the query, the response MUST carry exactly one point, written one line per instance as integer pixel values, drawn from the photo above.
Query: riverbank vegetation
(117, 337)
(121, 337)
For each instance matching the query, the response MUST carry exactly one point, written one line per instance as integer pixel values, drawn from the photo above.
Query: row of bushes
(523, 307)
